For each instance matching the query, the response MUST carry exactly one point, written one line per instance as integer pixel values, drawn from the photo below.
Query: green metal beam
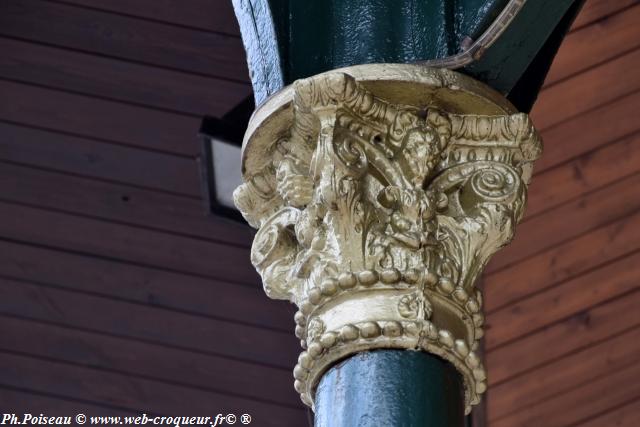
(509, 58)
(291, 39)
(391, 388)
(524, 91)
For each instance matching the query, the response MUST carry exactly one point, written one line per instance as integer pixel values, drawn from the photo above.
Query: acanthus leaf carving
(375, 217)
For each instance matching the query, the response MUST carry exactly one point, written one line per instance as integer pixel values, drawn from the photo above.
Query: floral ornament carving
(375, 214)
(410, 306)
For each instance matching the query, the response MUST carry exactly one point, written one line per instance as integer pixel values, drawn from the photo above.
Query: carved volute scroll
(378, 202)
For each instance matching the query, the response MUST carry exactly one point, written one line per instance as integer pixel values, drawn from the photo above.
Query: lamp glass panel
(226, 171)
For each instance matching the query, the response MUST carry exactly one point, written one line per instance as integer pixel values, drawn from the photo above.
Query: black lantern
(220, 160)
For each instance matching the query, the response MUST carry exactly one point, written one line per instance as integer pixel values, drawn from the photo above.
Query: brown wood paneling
(577, 406)
(116, 354)
(573, 371)
(212, 336)
(559, 263)
(627, 415)
(563, 299)
(22, 401)
(606, 83)
(586, 173)
(596, 43)
(525, 316)
(126, 243)
(123, 37)
(604, 124)
(118, 203)
(96, 118)
(594, 10)
(580, 330)
(154, 287)
(212, 15)
(118, 80)
(144, 395)
(594, 209)
(98, 159)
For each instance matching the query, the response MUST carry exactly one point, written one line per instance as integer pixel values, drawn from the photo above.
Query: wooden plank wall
(118, 296)
(563, 301)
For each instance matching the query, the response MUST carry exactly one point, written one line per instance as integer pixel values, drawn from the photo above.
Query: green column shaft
(391, 388)
(291, 39)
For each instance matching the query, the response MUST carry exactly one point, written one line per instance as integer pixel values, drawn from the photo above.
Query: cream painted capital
(380, 192)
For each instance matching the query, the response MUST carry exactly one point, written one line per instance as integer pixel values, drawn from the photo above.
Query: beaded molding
(333, 346)
(371, 279)
(380, 192)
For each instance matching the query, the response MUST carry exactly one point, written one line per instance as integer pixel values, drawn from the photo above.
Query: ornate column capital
(380, 192)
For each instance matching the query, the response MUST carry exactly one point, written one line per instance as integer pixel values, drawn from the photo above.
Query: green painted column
(390, 388)
(291, 39)
(287, 40)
